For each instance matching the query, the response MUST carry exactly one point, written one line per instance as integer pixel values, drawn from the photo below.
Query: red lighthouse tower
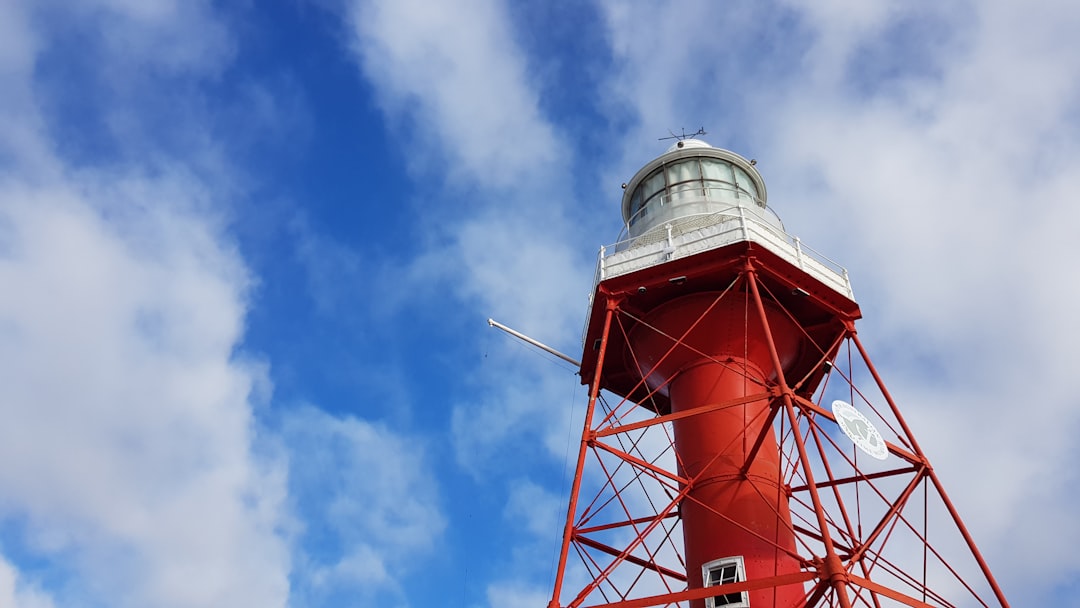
(739, 447)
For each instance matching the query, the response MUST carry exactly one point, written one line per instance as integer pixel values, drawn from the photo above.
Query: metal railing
(626, 257)
(728, 227)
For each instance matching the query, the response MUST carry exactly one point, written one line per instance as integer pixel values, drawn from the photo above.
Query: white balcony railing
(712, 231)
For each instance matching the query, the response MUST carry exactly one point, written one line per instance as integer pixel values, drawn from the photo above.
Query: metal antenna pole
(537, 344)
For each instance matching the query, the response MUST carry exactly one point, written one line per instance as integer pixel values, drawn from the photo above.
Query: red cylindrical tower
(736, 509)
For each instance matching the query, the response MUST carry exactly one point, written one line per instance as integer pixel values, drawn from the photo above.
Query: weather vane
(684, 134)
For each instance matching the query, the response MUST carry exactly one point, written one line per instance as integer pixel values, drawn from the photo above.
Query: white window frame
(740, 575)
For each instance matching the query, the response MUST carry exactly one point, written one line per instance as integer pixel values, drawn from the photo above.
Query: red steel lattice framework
(708, 425)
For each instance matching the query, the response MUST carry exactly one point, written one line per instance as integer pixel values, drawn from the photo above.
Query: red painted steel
(568, 533)
(731, 510)
(759, 469)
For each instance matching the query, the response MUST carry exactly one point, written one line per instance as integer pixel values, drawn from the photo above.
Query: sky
(248, 252)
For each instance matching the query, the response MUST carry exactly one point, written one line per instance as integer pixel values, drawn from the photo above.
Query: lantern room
(693, 185)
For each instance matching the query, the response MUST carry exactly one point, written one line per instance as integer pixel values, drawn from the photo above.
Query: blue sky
(248, 251)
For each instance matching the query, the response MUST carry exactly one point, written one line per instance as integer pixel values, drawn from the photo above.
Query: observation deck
(704, 232)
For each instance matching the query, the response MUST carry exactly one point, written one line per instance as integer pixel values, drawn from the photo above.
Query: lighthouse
(731, 455)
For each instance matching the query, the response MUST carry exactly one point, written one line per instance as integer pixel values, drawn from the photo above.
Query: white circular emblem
(860, 430)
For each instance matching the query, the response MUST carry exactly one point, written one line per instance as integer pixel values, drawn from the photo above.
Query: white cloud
(683, 69)
(130, 429)
(464, 88)
(181, 36)
(129, 446)
(20, 140)
(531, 278)
(366, 494)
(522, 418)
(454, 73)
(16, 593)
(841, 28)
(336, 274)
(534, 509)
(362, 566)
(516, 595)
(459, 76)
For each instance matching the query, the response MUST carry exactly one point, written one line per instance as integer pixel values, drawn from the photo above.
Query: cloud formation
(129, 441)
(130, 430)
(366, 504)
(460, 83)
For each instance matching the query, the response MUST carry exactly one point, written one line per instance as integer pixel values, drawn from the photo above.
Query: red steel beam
(594, 391)
(930, 472)
(833, 567)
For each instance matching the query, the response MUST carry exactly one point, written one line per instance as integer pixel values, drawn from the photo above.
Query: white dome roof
(683, 144)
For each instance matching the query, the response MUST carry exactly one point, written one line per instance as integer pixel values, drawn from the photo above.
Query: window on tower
(684, 175)
(722, 572)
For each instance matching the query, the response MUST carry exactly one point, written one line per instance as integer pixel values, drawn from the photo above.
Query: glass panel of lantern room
(650, 189)
(651, 185)
(682, 172)
(746, 185)
(719, 180)
(646, 197)
(635, 206)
